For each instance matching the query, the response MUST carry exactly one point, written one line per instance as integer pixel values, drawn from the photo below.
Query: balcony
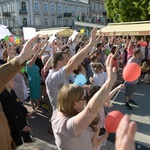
(104, 13)
(94, 19)
(59, 16)
(6, 14)
(23, 12)
(53, 13)
(21, 27)
(67, 14)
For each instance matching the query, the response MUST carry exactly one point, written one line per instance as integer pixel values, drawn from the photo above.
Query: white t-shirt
(99, 78)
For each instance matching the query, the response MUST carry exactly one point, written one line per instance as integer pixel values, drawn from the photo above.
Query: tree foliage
(128, 10)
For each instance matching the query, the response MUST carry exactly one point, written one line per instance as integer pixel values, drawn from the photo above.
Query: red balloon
(144, 44)
(11, 39)
(131, 72)
(112, 121)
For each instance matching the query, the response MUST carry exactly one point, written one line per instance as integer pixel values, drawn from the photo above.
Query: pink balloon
(112, 121)
(131, 72)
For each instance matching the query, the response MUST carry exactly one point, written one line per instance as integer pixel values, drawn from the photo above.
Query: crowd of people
(91, 18)
(79, 78)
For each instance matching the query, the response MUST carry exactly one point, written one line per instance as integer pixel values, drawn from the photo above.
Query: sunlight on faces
(80, 105)
(69, 99)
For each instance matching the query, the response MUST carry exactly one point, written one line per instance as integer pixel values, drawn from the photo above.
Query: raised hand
(93, 41)
(27, 50)
(111, 71)
(125, 134)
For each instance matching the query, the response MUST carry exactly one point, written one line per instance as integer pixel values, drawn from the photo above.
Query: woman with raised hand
(34, 79)
(71, 118)
(9, 69)
(7, 72)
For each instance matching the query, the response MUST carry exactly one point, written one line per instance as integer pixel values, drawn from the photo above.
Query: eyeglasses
(83, 98)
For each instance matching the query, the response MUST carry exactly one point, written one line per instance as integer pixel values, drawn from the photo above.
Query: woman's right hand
(26, 129)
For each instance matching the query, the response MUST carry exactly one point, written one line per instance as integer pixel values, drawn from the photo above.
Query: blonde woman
(71, 118)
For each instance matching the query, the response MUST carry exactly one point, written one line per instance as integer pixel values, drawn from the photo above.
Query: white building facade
(45, 13)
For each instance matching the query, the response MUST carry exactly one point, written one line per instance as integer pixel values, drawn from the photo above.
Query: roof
(85, 24)
(129, 28)
(78, 1)
(63, 32)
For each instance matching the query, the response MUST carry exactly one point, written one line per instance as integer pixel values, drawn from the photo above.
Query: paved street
(140, 114)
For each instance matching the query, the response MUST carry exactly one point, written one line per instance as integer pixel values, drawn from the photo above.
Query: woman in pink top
(71, 118)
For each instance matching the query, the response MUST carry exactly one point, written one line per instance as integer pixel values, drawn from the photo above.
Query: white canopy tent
(128, 28)
(63, 32)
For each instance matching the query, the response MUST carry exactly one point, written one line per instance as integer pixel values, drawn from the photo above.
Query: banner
(4, 32)
(28, 32)
(73, 36)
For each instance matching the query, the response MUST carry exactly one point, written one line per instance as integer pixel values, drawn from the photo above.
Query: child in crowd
(95, 132)
(99, 76)
(81, 77)
(144, 68)
(97, 127)
(146, 78)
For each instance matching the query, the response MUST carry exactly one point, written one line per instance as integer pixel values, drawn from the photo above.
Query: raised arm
(84, 118)
(79, 57)
(43, 49)
(27, 50)
(8, 70)
(33, 59)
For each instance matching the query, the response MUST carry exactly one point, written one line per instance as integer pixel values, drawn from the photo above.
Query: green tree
(128, 10)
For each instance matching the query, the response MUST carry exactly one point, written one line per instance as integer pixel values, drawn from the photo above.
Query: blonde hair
(68, 95)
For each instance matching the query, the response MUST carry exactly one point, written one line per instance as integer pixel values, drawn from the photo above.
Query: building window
(45, 22)
(53, 22)
(59, 9)
(8, 7)
(72, 10)
(79, 10)
(13, 21)
(36, 6)
(92, 6)
(24, 22)
(4, 7)
(66, 9)
(60, 22)
(45, 7)
(12, 6)
(103, 8)
(100, 8)
(72, 22)
(84, 10)
(66, 23)
(23, 6)
(9, 23)
(52, 8)
(96, 7)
